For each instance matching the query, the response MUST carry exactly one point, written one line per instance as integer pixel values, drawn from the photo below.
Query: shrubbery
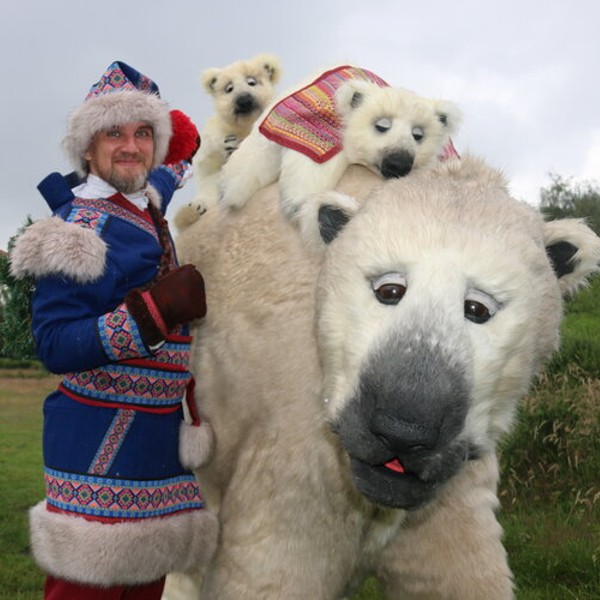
(553, 455)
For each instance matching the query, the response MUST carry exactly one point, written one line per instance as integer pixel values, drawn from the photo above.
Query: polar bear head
(242, 89)
(392, 130)
(438, 301)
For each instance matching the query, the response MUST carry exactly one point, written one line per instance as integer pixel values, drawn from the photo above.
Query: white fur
(225, 130)
(259, 162)
(124, 553)
(52, 246)
(292, 523)
(195, 444)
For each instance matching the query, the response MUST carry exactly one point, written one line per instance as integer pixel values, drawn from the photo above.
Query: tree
(564, 198)
(16, 340)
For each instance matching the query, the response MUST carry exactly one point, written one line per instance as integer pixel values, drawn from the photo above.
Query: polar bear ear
(270, 65)
(209, 80)
(449, 115)
(334, 210)
(350, 95)
(574, 252)
(322, 216)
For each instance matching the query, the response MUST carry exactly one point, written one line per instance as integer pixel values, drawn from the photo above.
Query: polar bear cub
(390, 130)
(240, 92)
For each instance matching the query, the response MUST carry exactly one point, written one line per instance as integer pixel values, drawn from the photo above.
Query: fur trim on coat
(127, 553)
(53, 247)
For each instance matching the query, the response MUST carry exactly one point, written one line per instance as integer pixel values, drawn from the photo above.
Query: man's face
(122, 155)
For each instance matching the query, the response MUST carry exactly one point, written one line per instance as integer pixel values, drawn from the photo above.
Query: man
(110, 312)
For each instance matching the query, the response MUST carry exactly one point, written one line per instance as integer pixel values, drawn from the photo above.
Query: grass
(21, 483)
(550, 488)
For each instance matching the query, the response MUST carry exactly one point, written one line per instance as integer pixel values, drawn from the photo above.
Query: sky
(525, 73)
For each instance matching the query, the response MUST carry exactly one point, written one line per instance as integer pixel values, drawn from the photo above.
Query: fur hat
(121, 96)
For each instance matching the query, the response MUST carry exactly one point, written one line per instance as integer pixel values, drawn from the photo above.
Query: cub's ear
(270, 65)
(574, 252)
(449, 115)
(350, 95)
(209, 80)
(322, 216)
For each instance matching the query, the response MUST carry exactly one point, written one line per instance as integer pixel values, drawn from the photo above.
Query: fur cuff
(98, 554)
(53, 247)
(195, 444)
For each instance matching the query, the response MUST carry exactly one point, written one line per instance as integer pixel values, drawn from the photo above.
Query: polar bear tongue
(395, 465)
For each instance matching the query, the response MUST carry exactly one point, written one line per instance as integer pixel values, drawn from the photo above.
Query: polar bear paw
(188, 214)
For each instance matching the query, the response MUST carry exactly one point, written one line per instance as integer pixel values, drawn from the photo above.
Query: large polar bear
(347, 115)
(357, 400)
(240, 92)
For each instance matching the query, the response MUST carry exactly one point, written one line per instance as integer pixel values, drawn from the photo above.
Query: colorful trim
(171, 356)
(120, 336)
(110, 445)
(127, 386)
(307, 121)
(155, 313)
(88, 218)
(106, 498)
(110, 208)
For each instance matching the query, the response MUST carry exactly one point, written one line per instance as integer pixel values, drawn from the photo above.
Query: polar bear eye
(251, 81)
(383, 125)
(418, 133)
(480, 307)
(229, 88)
(389, 288)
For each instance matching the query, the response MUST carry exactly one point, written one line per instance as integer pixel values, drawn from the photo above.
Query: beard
(127, 183)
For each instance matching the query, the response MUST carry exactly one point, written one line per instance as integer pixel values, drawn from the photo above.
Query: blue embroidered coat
(120, 508)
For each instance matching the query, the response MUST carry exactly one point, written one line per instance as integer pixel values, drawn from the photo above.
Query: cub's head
(393, 131)
(243, 89)
(438, 300)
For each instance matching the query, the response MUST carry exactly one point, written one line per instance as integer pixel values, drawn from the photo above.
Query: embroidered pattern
(90, 219)
(109, 448)
(115, 78)
(120, 499)
(109, 209)
(307, 120)
(175, 354)
(120, 384)
(120, 335)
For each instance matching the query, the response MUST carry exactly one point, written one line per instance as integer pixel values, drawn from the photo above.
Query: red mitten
(175, 299)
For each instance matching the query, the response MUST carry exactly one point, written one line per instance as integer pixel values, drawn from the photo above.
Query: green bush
(586, 300)
(554, 452)
(580, 334)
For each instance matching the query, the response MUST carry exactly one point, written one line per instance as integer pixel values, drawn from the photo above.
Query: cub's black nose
(397, 164)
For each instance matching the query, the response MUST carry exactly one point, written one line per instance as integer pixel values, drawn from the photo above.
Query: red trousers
(58, 589)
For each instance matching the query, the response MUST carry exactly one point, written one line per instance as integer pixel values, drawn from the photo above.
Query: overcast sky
(525, 73)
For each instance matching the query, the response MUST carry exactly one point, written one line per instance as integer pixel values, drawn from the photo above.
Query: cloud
(523, 72)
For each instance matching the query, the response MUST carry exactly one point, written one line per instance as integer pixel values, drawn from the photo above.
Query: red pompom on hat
(185, 141)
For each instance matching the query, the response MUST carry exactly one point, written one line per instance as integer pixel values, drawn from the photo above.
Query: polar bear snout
(397, 164)
(401, 436)
(245, 104)
(404, 429)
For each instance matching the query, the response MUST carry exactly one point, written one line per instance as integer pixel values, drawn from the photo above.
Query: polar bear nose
(402, 436)
(397, 164)
(244, 104)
